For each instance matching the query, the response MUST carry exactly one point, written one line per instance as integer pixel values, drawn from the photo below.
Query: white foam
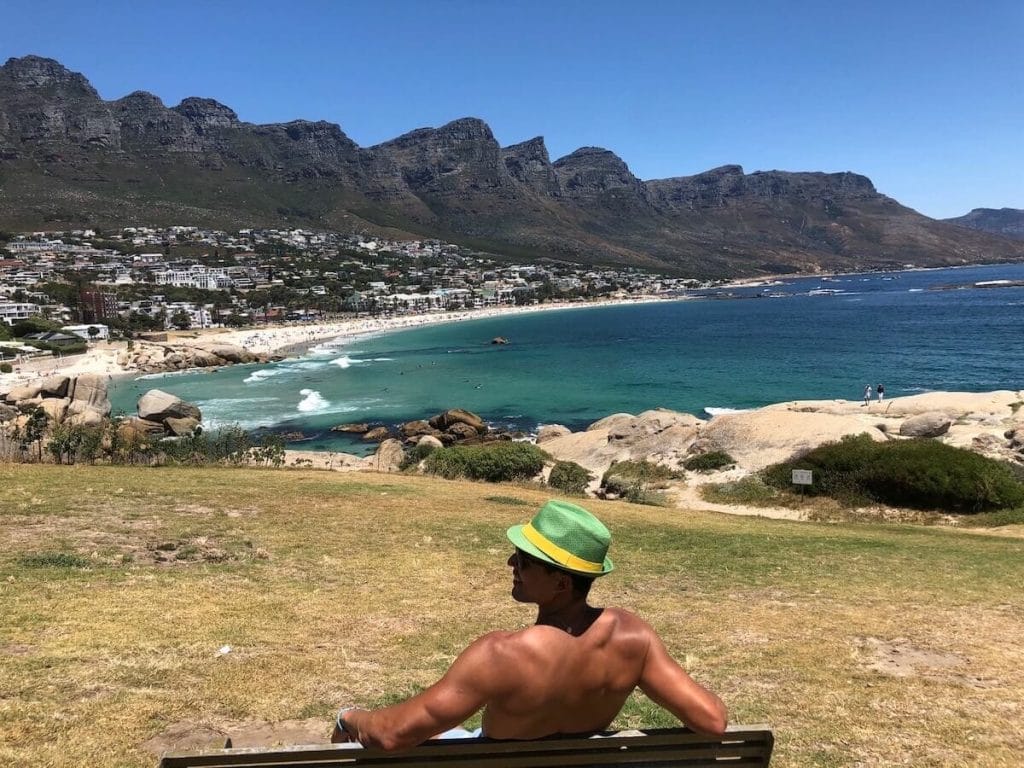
(312, 401)
(712, 411)
(345, 361)
(261, 374)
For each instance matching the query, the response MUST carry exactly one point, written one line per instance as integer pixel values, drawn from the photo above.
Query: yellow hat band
(561, 556)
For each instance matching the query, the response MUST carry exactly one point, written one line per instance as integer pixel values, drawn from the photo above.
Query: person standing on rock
(881, 392)
(867, 394)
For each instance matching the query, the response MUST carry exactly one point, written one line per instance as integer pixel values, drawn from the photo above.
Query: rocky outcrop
(550, 432)
(157, 405)
(933, 424)
(156, 358)
(80, 401)
(388, 457)
(169, 413)
(446, 420)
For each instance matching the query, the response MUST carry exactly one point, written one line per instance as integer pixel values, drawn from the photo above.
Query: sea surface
(805, 338)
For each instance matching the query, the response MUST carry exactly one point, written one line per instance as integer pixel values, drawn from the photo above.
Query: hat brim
(515, 535)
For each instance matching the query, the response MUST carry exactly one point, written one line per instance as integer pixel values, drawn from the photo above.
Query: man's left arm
(469, 684)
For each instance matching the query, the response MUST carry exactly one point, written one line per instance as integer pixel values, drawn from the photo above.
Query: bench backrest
(741, 746)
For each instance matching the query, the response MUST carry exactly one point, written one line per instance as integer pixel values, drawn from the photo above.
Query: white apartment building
(12, 311)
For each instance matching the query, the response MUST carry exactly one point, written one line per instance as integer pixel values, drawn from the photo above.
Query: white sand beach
(285, 339)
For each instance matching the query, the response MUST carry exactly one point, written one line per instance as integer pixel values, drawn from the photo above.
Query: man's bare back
(570, 673)
(560, 683)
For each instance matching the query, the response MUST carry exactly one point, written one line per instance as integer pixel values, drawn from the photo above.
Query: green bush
(750, 490)
(633, 480)
(705, 462)
(6, 368)
(919, 474)
(415, 455)
(494, 462)
(570, 477)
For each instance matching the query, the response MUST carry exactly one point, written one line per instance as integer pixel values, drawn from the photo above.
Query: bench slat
(741, 746)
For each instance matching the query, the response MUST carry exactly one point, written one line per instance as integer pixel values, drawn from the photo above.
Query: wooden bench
(658, 747)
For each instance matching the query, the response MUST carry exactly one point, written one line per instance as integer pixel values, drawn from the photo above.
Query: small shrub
(415, 455)
(634, 480)
(750, 491)
(6, 368)
(707, 462)
(919, 474)
(569, 477)
(494, 462)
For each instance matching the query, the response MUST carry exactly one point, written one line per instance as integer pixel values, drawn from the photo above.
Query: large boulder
(613, 421)
(91, 389)
(756, 439)
(357, 429)
(26, 392)
(181, 427)
(157, 405)
(429, 441)
(377, 434)
(55, 386)
(647, 424)
(8, 412)
(416, 428)
(231, 353)
(933, 424)
(389, 456)
(551, 431)
(86, 417)
(462, 431)
(443, 421)
(55, 408)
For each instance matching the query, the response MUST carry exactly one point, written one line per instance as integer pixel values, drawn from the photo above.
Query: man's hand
(342, 734)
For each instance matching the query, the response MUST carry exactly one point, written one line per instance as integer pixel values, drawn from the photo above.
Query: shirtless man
(570, 673)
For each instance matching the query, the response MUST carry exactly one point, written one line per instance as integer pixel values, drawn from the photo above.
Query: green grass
(361, 588)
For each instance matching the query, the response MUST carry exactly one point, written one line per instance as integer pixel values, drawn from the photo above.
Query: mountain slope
(1007, 222)
(69, 158)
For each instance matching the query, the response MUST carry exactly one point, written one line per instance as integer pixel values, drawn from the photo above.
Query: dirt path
(688, 497)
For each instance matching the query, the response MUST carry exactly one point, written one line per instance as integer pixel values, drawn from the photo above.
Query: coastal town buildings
(143, 278)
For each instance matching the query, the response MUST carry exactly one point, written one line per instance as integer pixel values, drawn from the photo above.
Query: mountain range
(69, 159)
(1008, 222)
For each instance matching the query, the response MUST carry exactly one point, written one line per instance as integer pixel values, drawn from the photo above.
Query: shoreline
(286, 340)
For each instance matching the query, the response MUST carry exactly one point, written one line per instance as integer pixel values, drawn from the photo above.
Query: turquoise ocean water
(806, 338)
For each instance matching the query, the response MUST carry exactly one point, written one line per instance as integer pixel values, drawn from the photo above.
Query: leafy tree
(34, 324)
(181, 320)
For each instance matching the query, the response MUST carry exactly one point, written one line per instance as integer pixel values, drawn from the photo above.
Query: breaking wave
(312, 401)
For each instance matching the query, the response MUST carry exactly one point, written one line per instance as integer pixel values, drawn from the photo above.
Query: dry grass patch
(371, 584)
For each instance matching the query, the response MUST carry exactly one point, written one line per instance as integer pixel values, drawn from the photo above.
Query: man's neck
(574, 618)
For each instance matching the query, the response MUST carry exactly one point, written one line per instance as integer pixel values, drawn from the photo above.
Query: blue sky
(925, 98)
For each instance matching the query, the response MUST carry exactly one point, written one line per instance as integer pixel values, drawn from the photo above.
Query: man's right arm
(669, 686)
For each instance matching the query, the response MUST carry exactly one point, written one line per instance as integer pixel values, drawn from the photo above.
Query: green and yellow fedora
(568, 537)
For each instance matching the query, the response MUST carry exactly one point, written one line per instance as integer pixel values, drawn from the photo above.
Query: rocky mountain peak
(140, 100)
(207, 113)
(37, 72)
(592, 171)
(529, 163)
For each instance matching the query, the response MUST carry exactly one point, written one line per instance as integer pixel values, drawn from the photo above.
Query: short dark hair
(580, 584)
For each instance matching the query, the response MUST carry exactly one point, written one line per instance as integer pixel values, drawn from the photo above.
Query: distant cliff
(69, 158)
(1008, 222)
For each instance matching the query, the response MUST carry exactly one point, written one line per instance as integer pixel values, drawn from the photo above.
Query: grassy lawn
(859, 644)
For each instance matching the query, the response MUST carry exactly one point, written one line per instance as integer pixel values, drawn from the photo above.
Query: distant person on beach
(569, 673)
(867, 394)
(881, 392)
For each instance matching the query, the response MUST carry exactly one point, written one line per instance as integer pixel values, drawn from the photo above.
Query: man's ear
(564, 582)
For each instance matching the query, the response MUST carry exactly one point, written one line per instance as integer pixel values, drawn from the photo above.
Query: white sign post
(802, 477)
